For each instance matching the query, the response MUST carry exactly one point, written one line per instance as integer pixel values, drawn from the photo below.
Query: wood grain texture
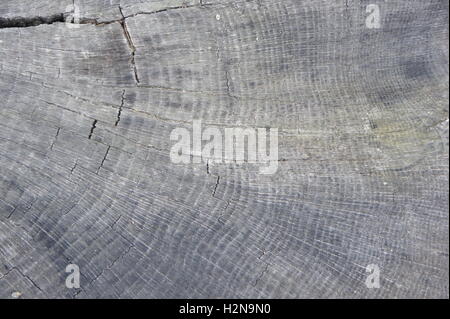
(85, 175)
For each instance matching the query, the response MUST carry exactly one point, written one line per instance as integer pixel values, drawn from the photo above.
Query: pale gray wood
(85, 174)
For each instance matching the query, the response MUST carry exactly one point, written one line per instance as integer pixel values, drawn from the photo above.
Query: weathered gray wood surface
(85, 174)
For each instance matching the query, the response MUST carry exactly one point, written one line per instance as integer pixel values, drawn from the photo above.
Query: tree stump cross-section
(91, 90)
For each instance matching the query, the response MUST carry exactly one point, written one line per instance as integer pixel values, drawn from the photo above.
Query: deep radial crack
(94, 124)
(22, 22)
(119, 113)
(199, 5)
(25, 22)
(215, 187)
(104, 159)
(123, 23)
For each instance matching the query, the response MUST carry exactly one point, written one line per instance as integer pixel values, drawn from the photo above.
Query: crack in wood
(55, 138)
(104, 159)
(94, 125)
(131, 46)
(119, 113)
(23, 22)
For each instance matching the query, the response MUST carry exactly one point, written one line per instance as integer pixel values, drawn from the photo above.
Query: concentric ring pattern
(85, 175)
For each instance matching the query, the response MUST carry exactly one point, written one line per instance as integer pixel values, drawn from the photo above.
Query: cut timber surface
(85, 175)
